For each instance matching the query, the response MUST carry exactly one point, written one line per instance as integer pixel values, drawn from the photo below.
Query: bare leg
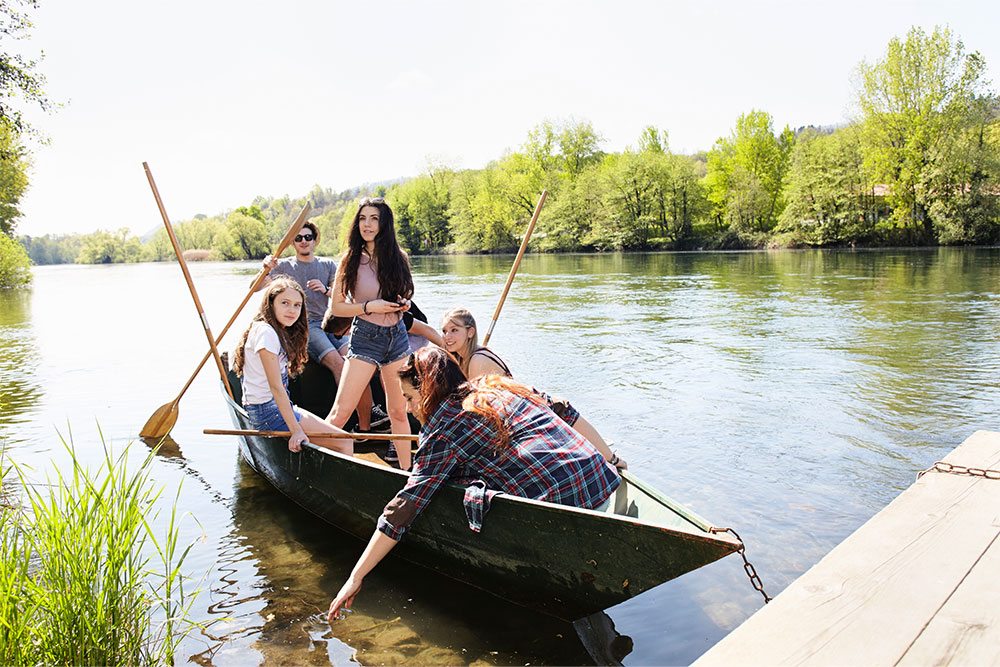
(395, 404)
(353, 381)
(334, 361)
(365, 409)
(313, 424)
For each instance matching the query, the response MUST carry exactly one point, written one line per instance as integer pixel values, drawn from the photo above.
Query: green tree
(196, 234)
(487, 222)
(49, 249)
(915, 103)
(421, 206)
(104, 247)
(569, 220)
(159, 248)
(579, 147)
(635, 196)
(651, 194)
(13, 178)
(19, 78)
(746, 171)
(243, 237)
(830, 198)
(252, 211)
(965, 182)
(15, 266)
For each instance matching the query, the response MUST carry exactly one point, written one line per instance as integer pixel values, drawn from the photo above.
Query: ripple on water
(790, 395)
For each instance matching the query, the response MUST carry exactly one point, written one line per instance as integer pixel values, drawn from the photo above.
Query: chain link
(956, 469)
(747, 565)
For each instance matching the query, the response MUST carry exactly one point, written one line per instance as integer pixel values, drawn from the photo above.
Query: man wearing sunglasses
(315, 275)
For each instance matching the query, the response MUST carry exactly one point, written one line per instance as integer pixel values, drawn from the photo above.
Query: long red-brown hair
(436, 376)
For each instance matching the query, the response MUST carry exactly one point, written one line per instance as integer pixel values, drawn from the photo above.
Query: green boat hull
(564, 561)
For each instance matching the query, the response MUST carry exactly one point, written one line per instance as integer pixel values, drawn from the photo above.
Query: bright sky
(231, 99)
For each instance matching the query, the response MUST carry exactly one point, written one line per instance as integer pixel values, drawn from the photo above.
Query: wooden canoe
(564, 561)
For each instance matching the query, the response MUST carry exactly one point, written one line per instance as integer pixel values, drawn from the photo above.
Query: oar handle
(292, 231)
(288, 434)
(517, 263)
(187, 278)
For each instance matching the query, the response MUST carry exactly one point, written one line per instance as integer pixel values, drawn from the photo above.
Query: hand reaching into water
(344, 599)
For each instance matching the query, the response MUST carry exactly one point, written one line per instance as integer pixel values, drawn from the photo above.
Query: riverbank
(721, 244)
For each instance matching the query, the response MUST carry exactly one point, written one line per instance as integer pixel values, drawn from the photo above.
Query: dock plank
(967, 629)
(870, 599)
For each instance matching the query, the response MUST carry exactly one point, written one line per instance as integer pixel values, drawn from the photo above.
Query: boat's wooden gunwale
(582, 560)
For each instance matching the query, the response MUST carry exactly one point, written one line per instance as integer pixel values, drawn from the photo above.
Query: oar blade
(160, 422)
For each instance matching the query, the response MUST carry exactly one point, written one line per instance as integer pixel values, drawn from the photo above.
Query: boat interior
(315, 390)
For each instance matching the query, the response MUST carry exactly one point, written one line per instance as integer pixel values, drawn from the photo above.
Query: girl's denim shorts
(378, 345)
(267, 417)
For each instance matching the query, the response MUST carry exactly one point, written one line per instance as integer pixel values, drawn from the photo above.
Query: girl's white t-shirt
(262, 336)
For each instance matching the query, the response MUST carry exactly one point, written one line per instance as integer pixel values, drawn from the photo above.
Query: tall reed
(83, 578)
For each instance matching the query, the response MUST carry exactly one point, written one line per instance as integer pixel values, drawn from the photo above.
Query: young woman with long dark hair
(373, 285)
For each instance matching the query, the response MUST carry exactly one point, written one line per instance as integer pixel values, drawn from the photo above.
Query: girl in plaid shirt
(492, 433)
(461, 337)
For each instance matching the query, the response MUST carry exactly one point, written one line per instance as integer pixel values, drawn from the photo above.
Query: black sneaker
(390, 454)
(380, 420)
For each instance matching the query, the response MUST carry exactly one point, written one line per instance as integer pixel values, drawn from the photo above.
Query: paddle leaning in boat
(564, 561)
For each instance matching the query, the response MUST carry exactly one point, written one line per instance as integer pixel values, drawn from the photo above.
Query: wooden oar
(165, 417)
(517, 263)
(187, 279)
(288, 434)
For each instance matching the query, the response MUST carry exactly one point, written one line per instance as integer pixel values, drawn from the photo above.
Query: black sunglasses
(304, 237)
(371, 200)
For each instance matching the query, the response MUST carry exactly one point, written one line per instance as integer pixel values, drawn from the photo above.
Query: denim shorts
(267, 417)
(378, 345)
(322, 343)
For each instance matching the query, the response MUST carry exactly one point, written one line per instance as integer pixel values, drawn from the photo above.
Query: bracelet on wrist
(614, 459)
(364, 308)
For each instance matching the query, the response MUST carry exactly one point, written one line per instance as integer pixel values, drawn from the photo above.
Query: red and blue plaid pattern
(546, 460)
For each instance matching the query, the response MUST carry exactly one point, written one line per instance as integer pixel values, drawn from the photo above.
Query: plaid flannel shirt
(546, 460)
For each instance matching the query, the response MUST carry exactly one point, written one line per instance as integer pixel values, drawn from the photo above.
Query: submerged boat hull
(564, 561)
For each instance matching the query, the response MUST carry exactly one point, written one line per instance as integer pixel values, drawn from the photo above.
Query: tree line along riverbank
(920, 165)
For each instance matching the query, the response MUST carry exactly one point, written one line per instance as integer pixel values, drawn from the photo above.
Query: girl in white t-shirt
(273, 346)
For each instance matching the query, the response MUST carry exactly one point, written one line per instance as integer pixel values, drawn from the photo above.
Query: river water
(789, 395)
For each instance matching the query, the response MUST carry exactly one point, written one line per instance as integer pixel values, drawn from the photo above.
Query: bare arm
(269, 360)
(427, 331)
(481, 364)
(584, 428)
(380, 545)
(340, 307)
(269, 263)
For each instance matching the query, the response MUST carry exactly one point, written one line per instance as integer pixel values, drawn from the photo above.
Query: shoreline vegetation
(85, 579)
(919, 165)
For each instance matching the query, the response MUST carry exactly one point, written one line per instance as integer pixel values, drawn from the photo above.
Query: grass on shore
(84, 579)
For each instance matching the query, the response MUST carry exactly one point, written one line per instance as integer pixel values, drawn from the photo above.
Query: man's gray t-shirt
(321, 269)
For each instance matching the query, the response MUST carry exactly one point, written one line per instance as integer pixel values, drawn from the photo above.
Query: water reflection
(406, 616)
(20, 388)
(790, 395)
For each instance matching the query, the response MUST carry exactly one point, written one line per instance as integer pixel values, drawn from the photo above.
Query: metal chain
(747, 565)
(956, 469)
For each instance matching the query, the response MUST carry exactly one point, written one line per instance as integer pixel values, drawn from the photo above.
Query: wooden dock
(918, 584)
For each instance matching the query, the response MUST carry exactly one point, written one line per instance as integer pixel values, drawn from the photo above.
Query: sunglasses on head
(304, 237)
(371, 200)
